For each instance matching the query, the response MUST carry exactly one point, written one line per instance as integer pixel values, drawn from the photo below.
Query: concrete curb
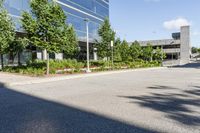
(54, 79)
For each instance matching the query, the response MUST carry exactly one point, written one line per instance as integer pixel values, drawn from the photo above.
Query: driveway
(160, 100)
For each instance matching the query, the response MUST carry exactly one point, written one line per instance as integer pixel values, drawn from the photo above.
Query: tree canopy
(70, 42)
(147, 52)
(107, 35)
(124, 51)
(117, 54)
(159, 55)
(7, 30)
(45, 25)
(135, 50)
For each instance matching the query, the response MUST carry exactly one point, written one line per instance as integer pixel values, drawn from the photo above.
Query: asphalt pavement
(154, 100)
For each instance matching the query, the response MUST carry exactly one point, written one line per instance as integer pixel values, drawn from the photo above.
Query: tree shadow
(189, 65)
(161, 87)
(194, 92)
(22, 113)
(198, 87)
(175, 105)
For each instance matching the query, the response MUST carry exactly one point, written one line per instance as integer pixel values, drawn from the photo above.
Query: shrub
(61, 65)
(25, 70)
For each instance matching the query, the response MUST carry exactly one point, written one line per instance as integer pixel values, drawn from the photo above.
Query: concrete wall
(185, 45)
(160, 42)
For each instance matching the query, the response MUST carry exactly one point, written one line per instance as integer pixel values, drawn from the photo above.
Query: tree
(147, 52)
(7, 31)
(159, 55)
(107, 35)
(117, 54)
(70, 42)
(45, 26)
(194, 50)
(135, 50)
(125, 51)
(16, 47)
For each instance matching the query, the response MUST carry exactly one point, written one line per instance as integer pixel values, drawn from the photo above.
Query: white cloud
(176, 23)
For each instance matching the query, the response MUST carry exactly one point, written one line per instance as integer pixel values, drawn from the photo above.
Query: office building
(76, 10)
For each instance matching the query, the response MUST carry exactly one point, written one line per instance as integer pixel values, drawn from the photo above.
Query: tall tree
(45, 25)
(135, 50)
(70, 42)
(125, 51)
(7, 31)
(107, 35)
(147, 52)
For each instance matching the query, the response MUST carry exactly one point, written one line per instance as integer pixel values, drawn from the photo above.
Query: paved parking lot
(160, 100)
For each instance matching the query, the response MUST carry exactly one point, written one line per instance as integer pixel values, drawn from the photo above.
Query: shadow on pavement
(22, 113)
(190, 65)
(175, 105)
(160, 87)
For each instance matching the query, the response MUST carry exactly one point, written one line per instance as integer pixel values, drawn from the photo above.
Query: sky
(154, 19)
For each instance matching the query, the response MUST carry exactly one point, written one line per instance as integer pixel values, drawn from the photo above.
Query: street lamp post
(88, 50)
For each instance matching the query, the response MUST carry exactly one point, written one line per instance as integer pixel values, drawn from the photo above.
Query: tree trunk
(2, 65)
(47, 64)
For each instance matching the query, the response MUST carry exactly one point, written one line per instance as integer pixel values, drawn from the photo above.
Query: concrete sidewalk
(7, 79)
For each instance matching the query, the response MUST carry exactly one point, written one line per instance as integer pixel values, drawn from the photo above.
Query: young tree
(147, 52)
(125, 51)
(16, 47)
(7, 31)
(45, 26)
(117, 54)
(159, 55)
(70, 42)
(135, 50)
(107, 35)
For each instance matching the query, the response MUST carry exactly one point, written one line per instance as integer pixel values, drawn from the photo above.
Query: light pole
(112, 45)
(88, 50)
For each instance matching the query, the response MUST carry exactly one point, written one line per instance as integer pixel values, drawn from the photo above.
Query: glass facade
(76, 10)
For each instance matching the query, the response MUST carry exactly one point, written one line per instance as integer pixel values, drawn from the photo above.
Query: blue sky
(154, 19)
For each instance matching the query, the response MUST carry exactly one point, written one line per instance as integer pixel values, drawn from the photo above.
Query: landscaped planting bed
(38, 67)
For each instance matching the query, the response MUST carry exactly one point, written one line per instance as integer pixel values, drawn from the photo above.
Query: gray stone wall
(185, 45)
